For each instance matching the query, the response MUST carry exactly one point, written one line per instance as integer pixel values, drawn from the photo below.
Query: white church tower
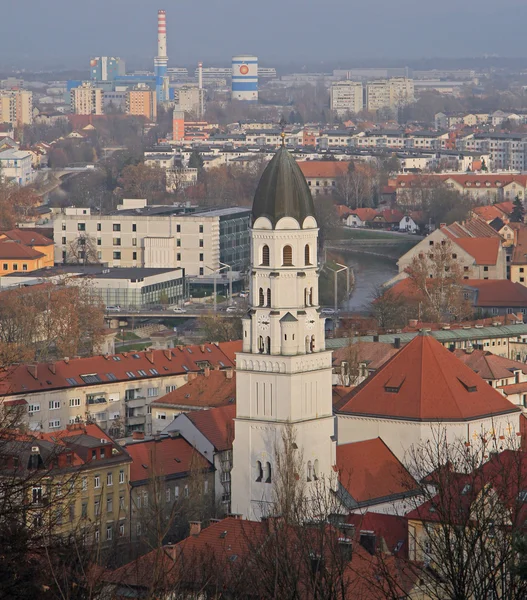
(283, 374)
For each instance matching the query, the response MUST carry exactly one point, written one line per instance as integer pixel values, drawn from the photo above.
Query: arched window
(312, 346)
(259, 471)
(316, 474)
(308, 345)
(311, 297)
(307, 255)
(268, 345)
(287, 255)
(267, 472)
(268, 296)
(261, 347)
(306, 297)
(261, 298)
(265, 256)
(309, 473)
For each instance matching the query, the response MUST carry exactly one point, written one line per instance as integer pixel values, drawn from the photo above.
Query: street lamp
(215, 273)
(335, 280)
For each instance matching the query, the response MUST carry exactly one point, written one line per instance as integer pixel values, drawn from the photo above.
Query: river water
(370, 272)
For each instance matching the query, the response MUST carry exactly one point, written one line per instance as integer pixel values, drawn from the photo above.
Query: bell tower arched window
(307, 255)
(269, 297)
(259, 471)
(265, 256)
(261, 297)
(267, 472)
(287, 255)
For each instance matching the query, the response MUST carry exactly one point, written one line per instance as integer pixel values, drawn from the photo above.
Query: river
(370, 272)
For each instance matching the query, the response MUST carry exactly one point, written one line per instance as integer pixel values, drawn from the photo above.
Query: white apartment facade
(86, 100)
(346, 97)
(389, 93)
(16, 166)
(149, 238)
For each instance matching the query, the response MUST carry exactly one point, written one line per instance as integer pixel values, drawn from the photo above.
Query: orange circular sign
(244, 69)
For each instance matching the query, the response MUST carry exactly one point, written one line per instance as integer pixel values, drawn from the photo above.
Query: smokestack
(200, 75)
(161, 34)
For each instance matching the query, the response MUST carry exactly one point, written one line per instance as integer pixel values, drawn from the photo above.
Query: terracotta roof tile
(391, 530)
(162, 458)
(10, 249)
(216, 389)
(369, 471)
(325, 169)
(498, 292)
(426, 382)
(483, 250)
(216, 424)
(488, 365)
(27, 237)
(519, 254)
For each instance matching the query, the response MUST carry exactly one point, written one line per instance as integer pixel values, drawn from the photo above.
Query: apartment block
(346, 97)
(389, 93)
(142, 102)
(158, 237)
(113, 391)
(16, 107)
(86, 100)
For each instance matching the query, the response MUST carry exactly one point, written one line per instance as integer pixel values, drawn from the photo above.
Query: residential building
(346, 97)
(476, 247)
(211, 433)
(16, 107)
(518, 264)
(86, 100)
(389, 93)
(497, 296)
(410, 398)
(166, 473)
(116, 391)
(178, 125)
(322, 176)
(142, 102)
(16, 166)
(80, 475)
(360, 217)
(203, 391)
(24, 251)
(497, 371)
(159, 237)
(190, 99)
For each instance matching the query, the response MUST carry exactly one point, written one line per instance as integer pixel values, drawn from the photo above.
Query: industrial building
(106, 68)
(161, 60)
(245, 78)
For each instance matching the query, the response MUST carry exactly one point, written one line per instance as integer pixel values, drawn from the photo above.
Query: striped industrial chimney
(161, 60)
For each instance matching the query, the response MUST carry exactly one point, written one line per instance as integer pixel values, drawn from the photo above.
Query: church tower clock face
(310, 322)
(263, 321)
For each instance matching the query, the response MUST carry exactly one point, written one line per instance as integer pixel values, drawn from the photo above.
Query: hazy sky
(278, 31)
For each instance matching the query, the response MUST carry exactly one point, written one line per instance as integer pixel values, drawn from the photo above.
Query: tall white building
(389, 93)
(346, 97)
(86, 100)
(16, 107)
(284, 371)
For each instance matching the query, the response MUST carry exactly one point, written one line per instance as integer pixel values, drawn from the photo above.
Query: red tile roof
(483, 250)
(391, 530)
(343, 211)
(488, 365)
(498, 292)
(370, 472)
(155, 363)
(216, 424)
(324, 169)
(507, 207)
(489, 212)
(27, 237)
(426, 382)
(373, 354)
(163, 458)
(204, 391)
(10, 250)
(365, 214)
(519, 253)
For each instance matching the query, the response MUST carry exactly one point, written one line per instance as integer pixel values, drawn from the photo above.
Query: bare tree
(82, 251)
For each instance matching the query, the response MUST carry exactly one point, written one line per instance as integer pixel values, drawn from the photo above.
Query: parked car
(244, 294)
(115, 308)
(231, 309)
(178, 309)
(327, 311)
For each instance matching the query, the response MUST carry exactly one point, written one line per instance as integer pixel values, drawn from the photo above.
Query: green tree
(518, 211)
(195, 161)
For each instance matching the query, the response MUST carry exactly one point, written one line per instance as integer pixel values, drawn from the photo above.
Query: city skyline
(372, 31)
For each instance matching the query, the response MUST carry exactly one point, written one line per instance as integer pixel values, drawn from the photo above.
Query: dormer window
(394, 383)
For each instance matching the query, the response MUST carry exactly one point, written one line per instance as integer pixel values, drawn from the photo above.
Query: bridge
(192, 313)
(72, 168)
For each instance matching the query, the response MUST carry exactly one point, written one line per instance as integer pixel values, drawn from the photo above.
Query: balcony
(135, 420)
(137, 402)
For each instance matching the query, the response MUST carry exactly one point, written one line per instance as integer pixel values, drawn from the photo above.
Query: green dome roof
(283, 191)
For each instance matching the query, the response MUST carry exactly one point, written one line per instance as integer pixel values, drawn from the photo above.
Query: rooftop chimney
(149, 356)
(229, 373)
(52, 368)
(397, 343)
(200, 75)
(206, 371)
(191, 376)
(375, 338)
(33, 370)
(195, 527)
(138, 435)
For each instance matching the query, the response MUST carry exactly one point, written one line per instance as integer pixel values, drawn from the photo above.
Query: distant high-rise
(346, 97)
(86, 100)
(106, 68)
(16, 107)
(245, 78)
(141, 101)
(161, 60)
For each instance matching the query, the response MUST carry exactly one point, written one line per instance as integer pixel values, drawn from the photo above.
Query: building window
(116, 241)
(121, 502)
(153, 392)
(134, 255)
(201, 228)
(201, 270)
(287, 255)
(109, 478)
(267, 472)
(97, 536)
(178, 228)
(121, 530)
(201, 243)
(485, 269)
(117, 256)
(178, 243)
(109, 532)
(138, 528)
(269, 297)
(117, 227)
(307, 256)
(98, 227)
(261, 297)
(265, 256)
(167, 494)
(97, 507)
(259, 471)
(176, 492)
(134, 227)
(109, 504)
(54, 404)
(54, 424)
(63, 240)
(121, 476)
(134, 241)
(201, 257)
(178, 256)
(97, 481)
(81, 226)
